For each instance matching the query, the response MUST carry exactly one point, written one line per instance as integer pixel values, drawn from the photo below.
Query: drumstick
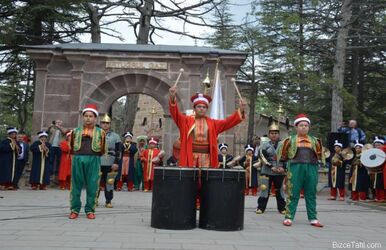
(178, 77)
(237, 89)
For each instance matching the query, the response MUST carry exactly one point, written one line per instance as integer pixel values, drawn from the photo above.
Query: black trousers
(108, 194)
(19, 168)
(278, 182)
(55, 154)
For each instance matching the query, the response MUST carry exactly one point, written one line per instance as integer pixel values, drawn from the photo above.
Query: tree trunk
(131, 111)
(302, 86)
(360, 86)
(37, 31)
(24, 112)
(354, 82)
(356, 53)
(143, 38)
(95, 23)
(144, 22)
(339, 66)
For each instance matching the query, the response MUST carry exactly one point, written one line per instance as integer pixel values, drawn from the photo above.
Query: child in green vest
(88, 143)
(303, 154)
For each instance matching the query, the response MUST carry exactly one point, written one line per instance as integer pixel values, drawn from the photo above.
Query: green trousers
(301, 175)
(85, 172)
(138, 175)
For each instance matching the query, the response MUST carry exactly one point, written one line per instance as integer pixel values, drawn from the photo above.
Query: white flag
(217, 108)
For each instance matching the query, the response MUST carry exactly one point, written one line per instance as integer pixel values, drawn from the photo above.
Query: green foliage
(224, 36)
(292, 45)
(25, 23)
(16, 96)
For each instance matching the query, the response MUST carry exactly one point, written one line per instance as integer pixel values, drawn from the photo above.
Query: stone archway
(104, 94)
(70, 75)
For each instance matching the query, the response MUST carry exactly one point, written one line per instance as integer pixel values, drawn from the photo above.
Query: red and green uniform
(303, 154)
(87, 145)
(138, 168)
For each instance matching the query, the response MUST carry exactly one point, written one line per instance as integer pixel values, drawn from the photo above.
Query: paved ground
(38, 220)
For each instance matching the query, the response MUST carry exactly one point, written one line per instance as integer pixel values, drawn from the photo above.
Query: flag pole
(216, 71)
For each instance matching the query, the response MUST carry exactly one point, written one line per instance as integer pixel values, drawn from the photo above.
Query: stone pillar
(41, 68)
(77, 61)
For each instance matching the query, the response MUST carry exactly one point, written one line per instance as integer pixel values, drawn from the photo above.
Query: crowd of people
(364, 183)
(94, 157)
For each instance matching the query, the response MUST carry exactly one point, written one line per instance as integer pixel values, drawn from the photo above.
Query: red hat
(301, 118)
(199, 98)
(152, 140)
(91, 107)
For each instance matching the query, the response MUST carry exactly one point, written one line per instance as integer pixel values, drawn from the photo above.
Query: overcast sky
(238, 8)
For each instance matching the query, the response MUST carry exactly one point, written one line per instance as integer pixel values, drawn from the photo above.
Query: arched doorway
(153, 89)
(149, 119)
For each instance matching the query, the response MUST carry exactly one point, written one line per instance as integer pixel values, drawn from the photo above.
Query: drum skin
(373, 160)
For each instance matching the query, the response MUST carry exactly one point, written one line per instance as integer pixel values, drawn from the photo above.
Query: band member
(272, 172)
(149, 161)
(40, 170)
(198, 133)
(88, 144)
(109, 161)
(9, 151)
(138, 172)
(55, 135)
(22, 159)
(172, 161)
(380, 195)
(359, 178)
(337, 173)
(303, 153)
(250, 164)
(64, 176)
(224, 158)
(128, 150)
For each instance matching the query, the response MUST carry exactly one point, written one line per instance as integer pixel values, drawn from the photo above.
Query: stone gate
(68, 76)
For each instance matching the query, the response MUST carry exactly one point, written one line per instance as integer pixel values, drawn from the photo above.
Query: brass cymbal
(110, 181)
(326, 152)
(367, 147)
(347, 154)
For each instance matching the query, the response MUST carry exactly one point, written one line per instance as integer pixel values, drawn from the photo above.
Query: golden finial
(153, 111)
(280, 110)
(206, 82)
